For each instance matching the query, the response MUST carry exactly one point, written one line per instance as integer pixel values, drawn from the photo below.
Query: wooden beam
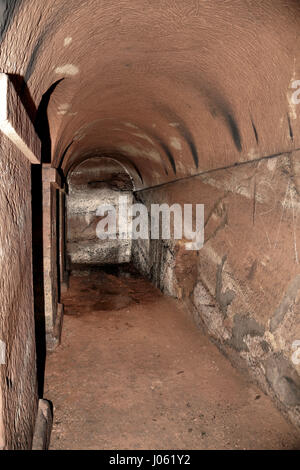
(15, 122)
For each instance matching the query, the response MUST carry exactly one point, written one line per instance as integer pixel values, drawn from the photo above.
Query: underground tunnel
(149, 342)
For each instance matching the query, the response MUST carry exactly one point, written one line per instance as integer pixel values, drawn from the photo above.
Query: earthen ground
(134, 372)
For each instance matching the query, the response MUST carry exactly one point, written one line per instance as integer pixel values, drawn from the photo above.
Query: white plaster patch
(67, 41)
(272, 162)
(153, 154)
(174, 124)
(63, 108)
(253, 154)
(67, 69)
(129, 124)
(294, 84)
(143, 136)
(136, 152)
(175, 143)
(2, 352)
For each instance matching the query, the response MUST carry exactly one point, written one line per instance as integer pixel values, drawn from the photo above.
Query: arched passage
(190, 103)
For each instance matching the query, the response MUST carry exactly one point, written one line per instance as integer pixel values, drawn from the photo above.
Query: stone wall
(243, 286)
(18, 388)
(96, 182)
(51, 255)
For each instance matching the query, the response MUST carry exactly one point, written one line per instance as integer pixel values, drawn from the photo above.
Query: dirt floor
(134, 372)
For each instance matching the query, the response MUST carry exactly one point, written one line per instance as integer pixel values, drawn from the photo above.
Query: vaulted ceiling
(169, 88)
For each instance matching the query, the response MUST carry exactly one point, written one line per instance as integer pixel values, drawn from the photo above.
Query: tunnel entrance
(101, 182)
(96, 183)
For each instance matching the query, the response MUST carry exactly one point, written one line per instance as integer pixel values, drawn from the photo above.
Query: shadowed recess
(42, 123)
(255, 131)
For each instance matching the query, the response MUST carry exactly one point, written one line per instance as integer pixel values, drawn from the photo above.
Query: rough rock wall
(243, 285)
(83, 244)
(140, 256)
(50, 253)
(155, 259)
(62, 241)
(18, 375)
